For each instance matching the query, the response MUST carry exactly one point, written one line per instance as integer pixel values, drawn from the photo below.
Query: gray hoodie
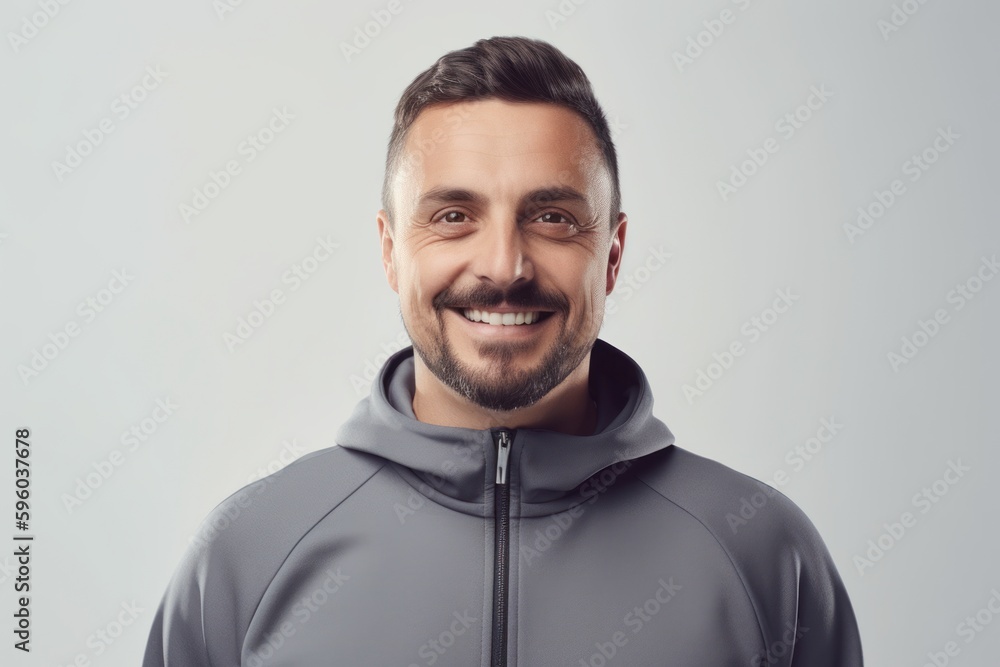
(412, 544)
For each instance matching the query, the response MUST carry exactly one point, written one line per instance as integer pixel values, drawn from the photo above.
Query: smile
(504, 319)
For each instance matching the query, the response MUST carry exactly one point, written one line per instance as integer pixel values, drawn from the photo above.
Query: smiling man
(503, 254)
(505, 495)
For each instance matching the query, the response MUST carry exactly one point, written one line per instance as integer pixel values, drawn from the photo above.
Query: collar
(456, 466)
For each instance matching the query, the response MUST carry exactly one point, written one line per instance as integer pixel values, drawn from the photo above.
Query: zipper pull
(503, 451)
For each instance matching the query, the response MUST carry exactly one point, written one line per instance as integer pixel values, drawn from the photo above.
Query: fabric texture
(619, 547)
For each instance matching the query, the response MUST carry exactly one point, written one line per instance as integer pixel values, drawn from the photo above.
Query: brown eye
(550, 217)
(450, 216)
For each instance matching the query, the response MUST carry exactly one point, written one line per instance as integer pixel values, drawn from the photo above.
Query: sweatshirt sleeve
(784, 567)
(826, 630)
(177, 637)
(206, 612)
(203, 616)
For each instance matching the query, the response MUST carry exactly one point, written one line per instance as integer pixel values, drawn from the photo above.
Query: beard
(503, 385)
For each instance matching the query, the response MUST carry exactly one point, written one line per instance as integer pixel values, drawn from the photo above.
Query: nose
(502, 254)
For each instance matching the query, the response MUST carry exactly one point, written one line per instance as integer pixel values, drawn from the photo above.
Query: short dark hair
(515, 69)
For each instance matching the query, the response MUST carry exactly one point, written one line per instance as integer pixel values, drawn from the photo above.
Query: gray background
(679, 131)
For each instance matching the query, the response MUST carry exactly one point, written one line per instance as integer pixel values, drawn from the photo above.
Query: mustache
(527, 296)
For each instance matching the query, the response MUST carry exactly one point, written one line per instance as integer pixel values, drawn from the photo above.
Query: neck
(568, 408)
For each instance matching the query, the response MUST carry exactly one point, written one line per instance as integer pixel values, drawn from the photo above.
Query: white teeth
(501, 319)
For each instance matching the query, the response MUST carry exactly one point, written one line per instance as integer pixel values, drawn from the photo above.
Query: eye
(547, 217)
(450, 216)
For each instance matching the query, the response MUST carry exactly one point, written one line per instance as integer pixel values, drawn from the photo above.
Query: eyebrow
(447, 195)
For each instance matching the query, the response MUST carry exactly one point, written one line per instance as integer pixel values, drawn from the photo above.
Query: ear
(385, 240)
(617, 248)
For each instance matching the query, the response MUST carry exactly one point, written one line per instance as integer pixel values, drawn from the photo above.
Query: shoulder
(243, 541)
(239, 548)
(782, 562)
(770, 541)
(273, 512)
(732, 505)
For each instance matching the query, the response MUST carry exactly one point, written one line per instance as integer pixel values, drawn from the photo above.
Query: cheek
(425, 277)
(588, 290)
(595, 304)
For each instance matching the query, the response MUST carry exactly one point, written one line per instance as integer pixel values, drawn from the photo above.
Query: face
(501, 249)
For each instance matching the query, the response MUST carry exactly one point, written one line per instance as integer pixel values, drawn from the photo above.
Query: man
(505, 495)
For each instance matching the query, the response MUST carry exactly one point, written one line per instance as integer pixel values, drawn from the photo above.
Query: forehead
(501, 146)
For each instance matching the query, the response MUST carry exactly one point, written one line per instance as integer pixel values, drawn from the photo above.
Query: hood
(456, 466)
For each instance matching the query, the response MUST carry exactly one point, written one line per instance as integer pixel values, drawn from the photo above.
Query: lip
(498, 331)
(508, 309)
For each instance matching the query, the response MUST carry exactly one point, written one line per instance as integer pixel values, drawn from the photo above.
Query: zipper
(501, 507)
